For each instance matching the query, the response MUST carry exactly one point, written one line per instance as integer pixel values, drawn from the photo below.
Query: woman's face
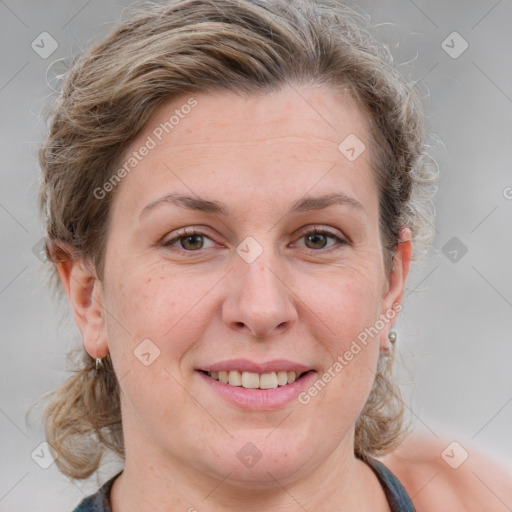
(253, 290)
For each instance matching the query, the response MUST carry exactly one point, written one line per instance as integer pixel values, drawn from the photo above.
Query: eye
(189, 240)
(192, 240)
(319, 237)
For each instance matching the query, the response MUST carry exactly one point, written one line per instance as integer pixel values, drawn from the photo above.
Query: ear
(85, 294)
(392, 298)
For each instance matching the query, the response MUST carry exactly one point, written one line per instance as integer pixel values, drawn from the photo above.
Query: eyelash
(194, 232)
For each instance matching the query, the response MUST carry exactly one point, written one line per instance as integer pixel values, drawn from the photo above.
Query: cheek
(345, 302)
(155, 305)
(174, 309)
(344, 312)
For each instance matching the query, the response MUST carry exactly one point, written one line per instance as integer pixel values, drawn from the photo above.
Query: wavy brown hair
(167, 50)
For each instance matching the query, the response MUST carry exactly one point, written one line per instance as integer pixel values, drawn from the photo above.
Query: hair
(169, 50)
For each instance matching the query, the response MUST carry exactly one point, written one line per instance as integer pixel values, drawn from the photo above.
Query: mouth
(252, 380)
(257, 385)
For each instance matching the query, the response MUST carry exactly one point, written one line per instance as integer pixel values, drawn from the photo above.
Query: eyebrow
(305, 204)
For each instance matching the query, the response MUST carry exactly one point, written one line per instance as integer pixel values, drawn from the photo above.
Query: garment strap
(398, 499)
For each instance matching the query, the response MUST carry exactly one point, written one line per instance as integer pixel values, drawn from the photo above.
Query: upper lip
(245, 365)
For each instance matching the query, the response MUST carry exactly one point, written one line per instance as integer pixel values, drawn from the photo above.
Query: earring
(99, 363)
(392, 340)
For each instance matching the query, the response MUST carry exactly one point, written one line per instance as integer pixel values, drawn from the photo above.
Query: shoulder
(440, 474)
(100, 501)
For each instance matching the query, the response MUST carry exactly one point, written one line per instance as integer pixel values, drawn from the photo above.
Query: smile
(251, 380)
(256, 385)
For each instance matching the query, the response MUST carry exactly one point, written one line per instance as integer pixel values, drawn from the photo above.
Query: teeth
(282, 378)
(250, 380)
(269, 380)
(235, 378)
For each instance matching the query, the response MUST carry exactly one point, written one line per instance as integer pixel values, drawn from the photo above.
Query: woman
(232, 193)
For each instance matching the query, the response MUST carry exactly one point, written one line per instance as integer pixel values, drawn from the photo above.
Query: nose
(260, 302)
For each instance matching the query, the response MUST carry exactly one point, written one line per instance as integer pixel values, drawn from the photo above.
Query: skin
(479, 483)
(297, 301)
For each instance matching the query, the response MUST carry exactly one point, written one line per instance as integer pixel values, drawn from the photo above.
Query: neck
(340, 483)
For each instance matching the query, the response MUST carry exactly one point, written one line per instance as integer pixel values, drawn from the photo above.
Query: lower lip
(259, 399)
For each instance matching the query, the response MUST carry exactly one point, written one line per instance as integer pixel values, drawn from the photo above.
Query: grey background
(455, 329)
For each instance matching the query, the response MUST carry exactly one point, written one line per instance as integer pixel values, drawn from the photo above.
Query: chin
(259, 459)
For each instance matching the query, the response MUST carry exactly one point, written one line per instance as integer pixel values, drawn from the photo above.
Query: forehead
(275, 144)
(223, 116)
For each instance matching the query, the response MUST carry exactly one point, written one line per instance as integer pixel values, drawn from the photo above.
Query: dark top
(398, 498)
